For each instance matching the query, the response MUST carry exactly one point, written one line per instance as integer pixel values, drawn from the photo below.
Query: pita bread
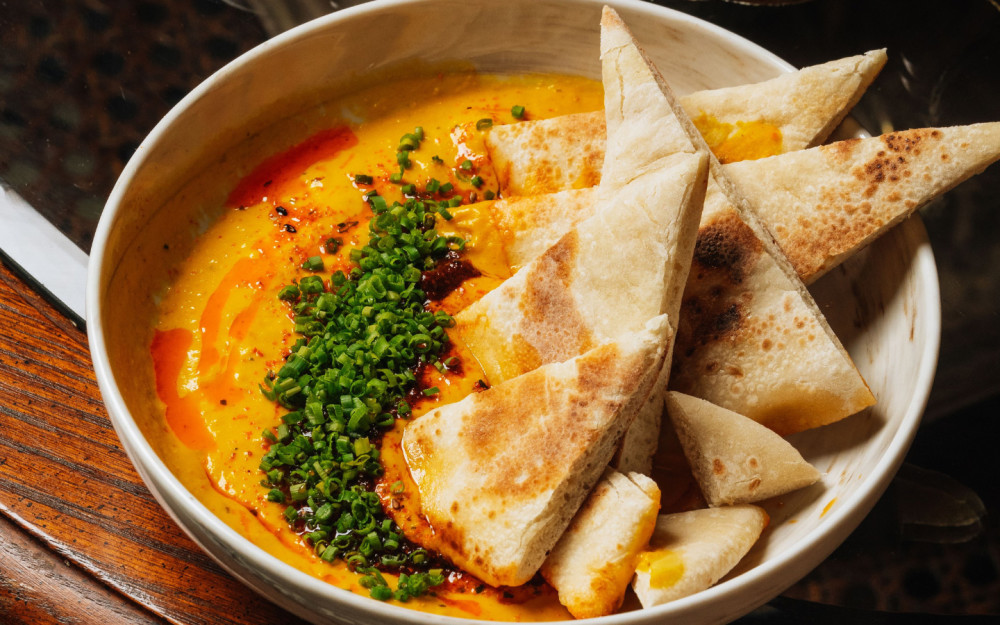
(501, 473)
(825, 203)
(548, 155)
(567, 152)
(805, 105)
(638, 446)
(633, 105)
(593, 562)
(530, 224)
(690, 551)
(567, 300)
(733, 458)
(751, 338)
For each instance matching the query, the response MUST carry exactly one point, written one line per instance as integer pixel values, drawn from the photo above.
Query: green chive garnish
(363, 335)
(313, 263)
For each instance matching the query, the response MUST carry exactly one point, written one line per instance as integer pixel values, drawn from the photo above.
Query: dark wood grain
(36, 586)
(69, 493)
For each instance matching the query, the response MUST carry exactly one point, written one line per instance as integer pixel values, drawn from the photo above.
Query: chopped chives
(517, 111)
(313, 263)
(333, 245)
(346, 379)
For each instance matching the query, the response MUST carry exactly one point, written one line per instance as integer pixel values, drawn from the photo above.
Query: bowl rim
(804, 555)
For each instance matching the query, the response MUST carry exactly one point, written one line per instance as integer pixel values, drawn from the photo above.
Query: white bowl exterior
(896, 350)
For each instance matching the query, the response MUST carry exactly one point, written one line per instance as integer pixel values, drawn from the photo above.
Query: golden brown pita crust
(822, 204)
(735, 459)
(691, 551)
(572, 298)
(501, 473)
(593, 562)
(567, 152)
(825, 203)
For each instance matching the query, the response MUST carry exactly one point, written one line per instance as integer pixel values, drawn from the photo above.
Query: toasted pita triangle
(690, 551)
(578, 293)
(593, 562)
(501, 473)
(805, 105)
(751, 338)
(824, 203)
(733, 458)
(633, 105)
(648, 209)
(567, 152)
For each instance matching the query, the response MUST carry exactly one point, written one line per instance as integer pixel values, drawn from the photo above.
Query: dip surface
(221, 326)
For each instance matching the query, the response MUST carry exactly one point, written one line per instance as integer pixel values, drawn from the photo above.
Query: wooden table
(81, 538)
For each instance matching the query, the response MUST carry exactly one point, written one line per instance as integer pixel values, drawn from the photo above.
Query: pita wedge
(577, 295)
(501, 473)
(690, 551)
(593, 562)
(733, 458)
(750, 337)
(802, 108)
(825, 203)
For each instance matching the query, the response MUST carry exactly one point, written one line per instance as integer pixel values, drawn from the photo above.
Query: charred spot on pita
(727, 245)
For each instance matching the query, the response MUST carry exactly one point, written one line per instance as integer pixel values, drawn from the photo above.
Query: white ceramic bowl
(883, 303)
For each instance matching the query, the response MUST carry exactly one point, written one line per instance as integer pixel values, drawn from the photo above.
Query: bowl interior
(883, 303)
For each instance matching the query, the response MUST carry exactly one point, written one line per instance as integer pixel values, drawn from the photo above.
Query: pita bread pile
(650, 279)
(502, 472)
